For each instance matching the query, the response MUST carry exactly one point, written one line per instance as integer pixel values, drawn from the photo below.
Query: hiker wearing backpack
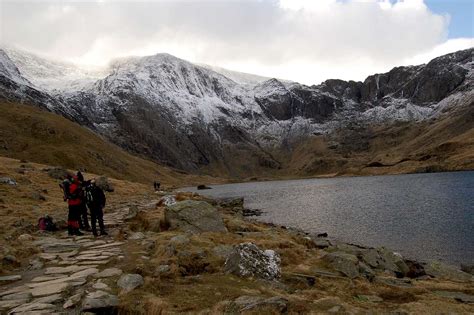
(96, 202)
(83, 219)
(73, 197)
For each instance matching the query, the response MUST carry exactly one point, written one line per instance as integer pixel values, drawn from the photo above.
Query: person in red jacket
(74, 201)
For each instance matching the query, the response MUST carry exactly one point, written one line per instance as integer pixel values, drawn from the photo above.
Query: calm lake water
(421, 216)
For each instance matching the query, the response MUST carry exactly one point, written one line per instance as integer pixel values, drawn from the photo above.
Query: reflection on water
(423, 216)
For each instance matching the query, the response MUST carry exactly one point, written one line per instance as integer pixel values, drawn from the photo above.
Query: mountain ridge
(193, 118)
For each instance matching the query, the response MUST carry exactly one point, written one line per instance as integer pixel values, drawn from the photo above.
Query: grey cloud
(225, 31)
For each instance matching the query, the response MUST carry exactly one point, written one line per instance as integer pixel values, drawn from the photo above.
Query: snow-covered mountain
(190, 116)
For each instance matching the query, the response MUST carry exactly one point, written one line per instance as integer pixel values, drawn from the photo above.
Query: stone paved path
(78, 274)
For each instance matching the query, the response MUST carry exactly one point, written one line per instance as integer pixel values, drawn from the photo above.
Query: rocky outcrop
(354, 261)
(247, 260)
(194, 217)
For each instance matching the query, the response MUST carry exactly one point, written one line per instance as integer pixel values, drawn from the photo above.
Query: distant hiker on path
(156, 185)
(96, 202)
(83, 219)
(72, 193)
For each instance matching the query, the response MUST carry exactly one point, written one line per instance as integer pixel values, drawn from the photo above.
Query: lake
(421, 216)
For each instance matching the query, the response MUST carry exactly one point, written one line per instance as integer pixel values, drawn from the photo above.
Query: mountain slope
(196, 119)
(43, 137)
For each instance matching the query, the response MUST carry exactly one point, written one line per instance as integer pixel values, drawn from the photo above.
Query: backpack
(65, 187)
(46, 224)
(89, 195)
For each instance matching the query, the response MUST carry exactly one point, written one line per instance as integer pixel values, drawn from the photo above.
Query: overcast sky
(302, 40)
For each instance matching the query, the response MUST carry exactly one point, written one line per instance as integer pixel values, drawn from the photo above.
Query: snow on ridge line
(196, 93)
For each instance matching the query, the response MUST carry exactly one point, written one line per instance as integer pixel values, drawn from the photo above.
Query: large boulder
(393, 262)
(100, 302)
(345, 263)
(103, 183)
(57, 172)
(247, 260)
(129, 282)
(194, 217)
(8, 181)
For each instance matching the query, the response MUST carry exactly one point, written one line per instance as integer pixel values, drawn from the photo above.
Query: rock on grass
(194, 217)
(247, 260)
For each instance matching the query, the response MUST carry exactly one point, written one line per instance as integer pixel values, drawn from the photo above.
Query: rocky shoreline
(185, 253)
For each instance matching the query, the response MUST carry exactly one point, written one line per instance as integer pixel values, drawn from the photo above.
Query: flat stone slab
(49, 299)
(69, 269)
(9, 304)
(458, 296)
(22, 288)
(93, 262)
(67, 262)
(114, 244)
(48, 256)
(92, 257)
(85, 273)
(18, 296)
(66, 255)
(93, 252)
(78, 279)
(59, 247)
(30, 307)
(11, 278)
(48, 278)
(110, 272)
(50, 289)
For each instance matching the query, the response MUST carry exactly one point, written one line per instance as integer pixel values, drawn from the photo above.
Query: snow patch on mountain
(54, 76)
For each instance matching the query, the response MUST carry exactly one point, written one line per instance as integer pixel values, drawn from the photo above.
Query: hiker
(83, 219)
(72, 193)
(96, 202)
(156, 185)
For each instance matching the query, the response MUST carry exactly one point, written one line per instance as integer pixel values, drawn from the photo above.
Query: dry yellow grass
(196, 281)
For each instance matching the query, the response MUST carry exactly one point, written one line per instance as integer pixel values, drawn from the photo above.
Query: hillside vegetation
(32, 134)
(445, 143)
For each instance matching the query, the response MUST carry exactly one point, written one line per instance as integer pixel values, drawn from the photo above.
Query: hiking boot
(95, 234)
(103, 233)
(78, 233)
(70, 232)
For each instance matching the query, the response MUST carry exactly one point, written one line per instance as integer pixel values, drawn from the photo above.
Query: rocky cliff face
(192, 117)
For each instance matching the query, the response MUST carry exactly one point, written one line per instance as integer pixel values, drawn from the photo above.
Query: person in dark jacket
(73, 197)
(96, 202)
(83, 220)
